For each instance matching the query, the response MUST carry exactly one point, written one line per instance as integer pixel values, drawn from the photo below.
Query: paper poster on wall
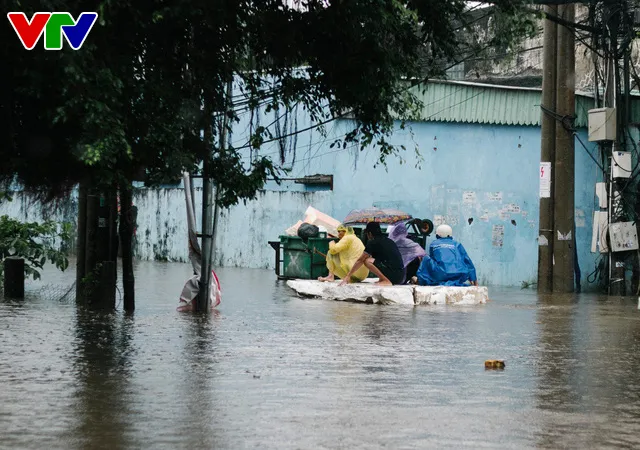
(543, 241)
(599, 233)
(438, 220)
(495, 196)
(497, 235)
(451, 220)
(513, 208)
(468, 197)
(484, 217)
(503, 214)
(545, 179)
(601, 193)
(453, 210)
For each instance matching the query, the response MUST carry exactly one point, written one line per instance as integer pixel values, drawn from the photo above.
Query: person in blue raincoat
(447, 264)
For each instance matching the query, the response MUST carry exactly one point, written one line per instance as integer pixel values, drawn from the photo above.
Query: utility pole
(126, 238)
(209, 220)
(202, 302)
(616, 268)
(547, 153)
(564, 168)
(81, 270)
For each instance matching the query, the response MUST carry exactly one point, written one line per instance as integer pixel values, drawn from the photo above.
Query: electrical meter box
(602, 124)
(621, 164)
(624, 236)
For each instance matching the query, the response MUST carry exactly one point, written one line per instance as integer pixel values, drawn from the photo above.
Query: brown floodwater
(270, 370)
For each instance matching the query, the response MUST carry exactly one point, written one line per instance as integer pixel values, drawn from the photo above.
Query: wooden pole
(126, 240)
(90, 245)
(103, 247)
(105, 295)
(547, 152)
(82, 240)
(564, 176)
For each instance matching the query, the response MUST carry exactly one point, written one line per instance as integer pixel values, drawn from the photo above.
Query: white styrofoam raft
(401, 295)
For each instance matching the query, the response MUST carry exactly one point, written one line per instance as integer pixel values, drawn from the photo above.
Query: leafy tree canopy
(152, 74)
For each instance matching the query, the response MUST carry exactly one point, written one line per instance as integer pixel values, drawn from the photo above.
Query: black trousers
(412, 269)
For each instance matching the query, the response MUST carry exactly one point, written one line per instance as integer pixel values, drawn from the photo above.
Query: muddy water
(270, 370)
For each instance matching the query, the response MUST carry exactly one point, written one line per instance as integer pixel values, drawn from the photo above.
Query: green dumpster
(299, 258)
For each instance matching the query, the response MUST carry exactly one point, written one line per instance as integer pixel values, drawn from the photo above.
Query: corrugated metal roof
(451, 101)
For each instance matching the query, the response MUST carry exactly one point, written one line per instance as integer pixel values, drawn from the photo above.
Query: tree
(36, 243)
(151, 80)
(135, 94)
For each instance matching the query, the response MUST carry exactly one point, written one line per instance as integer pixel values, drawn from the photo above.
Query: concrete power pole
(547, 153)
(210, 204)
(564, 168)
(616, 268)
(202, 301)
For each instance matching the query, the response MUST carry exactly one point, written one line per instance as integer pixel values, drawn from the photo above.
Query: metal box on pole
(602, 124)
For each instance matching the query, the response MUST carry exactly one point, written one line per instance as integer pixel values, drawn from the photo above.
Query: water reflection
(102, 364)
(271, 370)
(556, 352)
(589, 371)
(198, 385)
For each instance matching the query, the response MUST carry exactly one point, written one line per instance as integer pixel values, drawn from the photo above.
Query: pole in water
(14, 277)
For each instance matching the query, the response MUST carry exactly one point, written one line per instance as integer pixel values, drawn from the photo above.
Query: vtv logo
(54, 26)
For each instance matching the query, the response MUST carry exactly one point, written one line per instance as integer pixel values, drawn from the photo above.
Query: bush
(36, 242)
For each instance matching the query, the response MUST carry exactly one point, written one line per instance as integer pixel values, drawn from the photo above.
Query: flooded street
(270, 370)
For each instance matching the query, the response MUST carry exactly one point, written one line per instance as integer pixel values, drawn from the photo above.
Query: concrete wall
(467, 171)
(26, 208)
(243, 231)
(480, 179)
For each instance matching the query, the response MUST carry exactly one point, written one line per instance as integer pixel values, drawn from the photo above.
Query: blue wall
(497, 166)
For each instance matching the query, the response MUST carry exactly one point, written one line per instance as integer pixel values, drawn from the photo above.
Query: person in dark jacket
(411, 252)
(381, 256)
(448, 263)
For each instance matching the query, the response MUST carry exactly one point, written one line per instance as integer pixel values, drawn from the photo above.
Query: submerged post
(14, 277)
(202, 301)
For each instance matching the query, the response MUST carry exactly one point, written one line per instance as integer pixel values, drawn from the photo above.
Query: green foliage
(34, 242)
(151, 76)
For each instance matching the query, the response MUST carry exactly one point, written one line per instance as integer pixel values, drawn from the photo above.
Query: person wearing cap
(448, 263)
(381, 256)
(342, 255)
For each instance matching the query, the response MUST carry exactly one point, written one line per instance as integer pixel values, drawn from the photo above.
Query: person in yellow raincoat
(343, 255)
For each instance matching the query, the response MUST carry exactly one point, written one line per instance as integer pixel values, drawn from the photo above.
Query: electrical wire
(588, 152)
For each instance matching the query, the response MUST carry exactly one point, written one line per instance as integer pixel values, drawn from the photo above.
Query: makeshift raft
(369, 292)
